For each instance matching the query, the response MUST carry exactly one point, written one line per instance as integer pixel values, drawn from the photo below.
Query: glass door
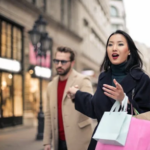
(11, 99)
(17, 93)
(6, 95)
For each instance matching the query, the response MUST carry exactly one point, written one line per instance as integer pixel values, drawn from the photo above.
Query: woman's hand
(72, 91)
(115, 93)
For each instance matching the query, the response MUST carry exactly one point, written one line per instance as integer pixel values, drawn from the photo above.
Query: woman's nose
(114, 47)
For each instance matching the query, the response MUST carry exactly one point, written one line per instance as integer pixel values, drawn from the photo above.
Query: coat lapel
(106, 78)
(131, 79)
(128, 83)
(69, 83)
(55, 89)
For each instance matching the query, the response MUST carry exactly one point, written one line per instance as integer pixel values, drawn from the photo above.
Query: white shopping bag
(113, 127)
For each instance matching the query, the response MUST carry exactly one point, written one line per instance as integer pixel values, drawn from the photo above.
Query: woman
(123, 73)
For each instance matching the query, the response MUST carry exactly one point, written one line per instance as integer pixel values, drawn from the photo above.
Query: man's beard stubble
(65, 71)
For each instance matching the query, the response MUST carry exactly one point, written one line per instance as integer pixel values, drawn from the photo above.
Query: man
(65, 128)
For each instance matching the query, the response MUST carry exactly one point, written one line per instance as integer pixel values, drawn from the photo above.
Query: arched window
(114, 11)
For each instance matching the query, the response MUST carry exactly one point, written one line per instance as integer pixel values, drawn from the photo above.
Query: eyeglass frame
(63, 62)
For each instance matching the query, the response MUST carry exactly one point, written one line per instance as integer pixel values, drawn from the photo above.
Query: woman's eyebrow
(113, 41)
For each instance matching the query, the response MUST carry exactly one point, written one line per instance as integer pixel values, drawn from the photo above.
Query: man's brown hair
(67, 50)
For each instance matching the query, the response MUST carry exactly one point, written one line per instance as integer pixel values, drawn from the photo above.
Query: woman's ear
(129, 52)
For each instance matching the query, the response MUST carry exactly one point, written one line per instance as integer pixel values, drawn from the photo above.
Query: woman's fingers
(118, 86)
(115, 93)
(109, 95)
(109, 87)
(109, 91)
(116, 83)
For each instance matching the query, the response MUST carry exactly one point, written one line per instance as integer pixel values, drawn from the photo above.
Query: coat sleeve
(47, 121)
(141, 100)
(84, 99)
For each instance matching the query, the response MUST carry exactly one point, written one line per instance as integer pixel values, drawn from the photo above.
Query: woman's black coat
(95, 106)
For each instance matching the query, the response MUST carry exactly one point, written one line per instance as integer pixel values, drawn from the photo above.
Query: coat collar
(134, 73)
(128, 83)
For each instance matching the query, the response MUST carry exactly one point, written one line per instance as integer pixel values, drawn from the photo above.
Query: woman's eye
(120, 44)
(109, 44)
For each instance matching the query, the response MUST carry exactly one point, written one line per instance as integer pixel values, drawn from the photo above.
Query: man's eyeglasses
(63, 62)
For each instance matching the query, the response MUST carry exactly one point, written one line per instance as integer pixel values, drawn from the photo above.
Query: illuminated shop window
(11, 41)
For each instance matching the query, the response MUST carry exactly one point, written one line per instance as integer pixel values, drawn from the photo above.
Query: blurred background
(83, 25)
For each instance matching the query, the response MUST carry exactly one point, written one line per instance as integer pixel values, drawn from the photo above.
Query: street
(19, 138)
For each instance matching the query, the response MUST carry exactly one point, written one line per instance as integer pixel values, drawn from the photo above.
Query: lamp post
(41, 42)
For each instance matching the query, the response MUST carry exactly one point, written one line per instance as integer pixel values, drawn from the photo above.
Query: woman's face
(117, 49)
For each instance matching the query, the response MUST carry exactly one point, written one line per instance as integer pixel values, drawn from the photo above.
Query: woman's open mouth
(115, 56)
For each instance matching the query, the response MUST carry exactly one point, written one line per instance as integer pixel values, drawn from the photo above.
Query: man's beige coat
(78, 127)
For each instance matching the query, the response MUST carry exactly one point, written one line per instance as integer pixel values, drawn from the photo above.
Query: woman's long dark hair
(134, 59)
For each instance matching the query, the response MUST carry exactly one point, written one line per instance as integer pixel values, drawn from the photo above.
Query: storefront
(33, 93)
(11, 74)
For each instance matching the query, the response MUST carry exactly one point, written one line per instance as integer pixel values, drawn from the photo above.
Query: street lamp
(41, 42)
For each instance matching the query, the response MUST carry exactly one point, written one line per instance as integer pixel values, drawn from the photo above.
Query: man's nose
(59, 63)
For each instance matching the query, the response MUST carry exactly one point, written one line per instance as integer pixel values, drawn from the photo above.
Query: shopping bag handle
(125, 103)
(117, 105)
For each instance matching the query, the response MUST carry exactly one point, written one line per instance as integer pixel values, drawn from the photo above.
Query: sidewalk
(19, 138)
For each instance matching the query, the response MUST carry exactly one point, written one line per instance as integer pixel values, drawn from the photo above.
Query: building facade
(144, 52)
(82, 25)
(118, 15)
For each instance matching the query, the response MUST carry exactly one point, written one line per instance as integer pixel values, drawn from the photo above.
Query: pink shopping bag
(138, 137)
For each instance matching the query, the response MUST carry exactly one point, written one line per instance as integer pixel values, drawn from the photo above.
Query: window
(66, 12)
(96, 39)
(11, 84)
(69, 12)
(62, 10)
(44, 5)
(11, 95)
(114, 11)
(6, 95)
(41, 4)
(32, 95)
(33, 2)
(85, 22)
(11, 41)
(17, 95)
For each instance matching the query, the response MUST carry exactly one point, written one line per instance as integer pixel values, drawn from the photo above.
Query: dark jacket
(95, 106)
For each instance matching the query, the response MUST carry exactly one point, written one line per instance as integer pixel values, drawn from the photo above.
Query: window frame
(12, 25)
(117, 13)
